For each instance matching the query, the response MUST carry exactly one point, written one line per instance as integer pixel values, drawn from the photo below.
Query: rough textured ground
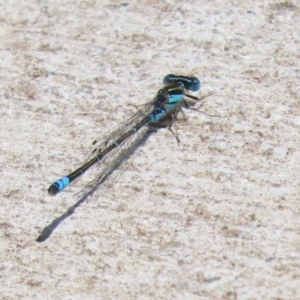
(216, 217)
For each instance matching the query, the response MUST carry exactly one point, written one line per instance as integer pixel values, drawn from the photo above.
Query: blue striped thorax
(167, 99)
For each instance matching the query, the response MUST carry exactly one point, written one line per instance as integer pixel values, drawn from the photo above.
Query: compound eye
(196, 84)
(168, 79)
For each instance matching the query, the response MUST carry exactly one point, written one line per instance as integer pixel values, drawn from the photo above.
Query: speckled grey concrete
(216, 217)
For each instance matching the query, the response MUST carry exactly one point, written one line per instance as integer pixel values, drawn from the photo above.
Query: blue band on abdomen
(62, 183)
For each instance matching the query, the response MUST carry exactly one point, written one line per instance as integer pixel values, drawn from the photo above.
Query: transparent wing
(113, 135)
(115, 158)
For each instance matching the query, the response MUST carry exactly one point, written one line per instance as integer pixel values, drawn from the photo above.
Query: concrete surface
(216, 217)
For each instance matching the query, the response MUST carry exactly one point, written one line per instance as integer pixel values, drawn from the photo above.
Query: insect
(111, 145)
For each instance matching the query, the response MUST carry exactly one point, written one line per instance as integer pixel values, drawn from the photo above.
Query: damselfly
(168, 101)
